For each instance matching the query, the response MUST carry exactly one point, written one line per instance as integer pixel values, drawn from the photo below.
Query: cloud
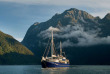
(90, 40)
(32, 11)
(67, 43)
(52, 28)
(89, 3)
(47, 33)
(84, 38)
(100, 6)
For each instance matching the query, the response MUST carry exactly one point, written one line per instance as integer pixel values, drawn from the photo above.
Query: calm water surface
(36, 69)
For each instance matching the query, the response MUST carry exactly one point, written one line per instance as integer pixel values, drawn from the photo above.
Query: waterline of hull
(46, 64)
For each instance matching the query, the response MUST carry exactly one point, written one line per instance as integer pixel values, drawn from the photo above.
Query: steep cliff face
(81, 34)
(105, 25)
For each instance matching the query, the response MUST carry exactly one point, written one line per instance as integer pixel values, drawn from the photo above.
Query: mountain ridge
(79, 29)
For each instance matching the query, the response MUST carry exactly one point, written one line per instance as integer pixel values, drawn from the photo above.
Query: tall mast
(60, 48)
(52, 45)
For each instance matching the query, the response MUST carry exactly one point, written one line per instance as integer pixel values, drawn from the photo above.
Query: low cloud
(67, 43)
(47, 33)
(91, 40)
(84, 38)
(53, 29)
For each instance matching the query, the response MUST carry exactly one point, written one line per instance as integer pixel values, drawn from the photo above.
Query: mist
(85, 38)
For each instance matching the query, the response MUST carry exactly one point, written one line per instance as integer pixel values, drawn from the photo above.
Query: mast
(60, 48)
(52, 45)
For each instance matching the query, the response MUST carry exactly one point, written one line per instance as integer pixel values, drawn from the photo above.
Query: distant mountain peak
(107, 16)
(72, 9)
(78, 30)
(77, 14)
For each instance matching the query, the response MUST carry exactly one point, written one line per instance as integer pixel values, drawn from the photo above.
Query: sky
(16, 16)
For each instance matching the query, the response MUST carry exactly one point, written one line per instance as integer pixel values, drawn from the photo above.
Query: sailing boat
(55, 60)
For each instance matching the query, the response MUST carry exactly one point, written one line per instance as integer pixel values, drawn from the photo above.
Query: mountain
(85, 38)
(106, 25)
(106, 19)
(13, 52)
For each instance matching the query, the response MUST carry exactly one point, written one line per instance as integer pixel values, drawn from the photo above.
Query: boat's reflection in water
(60, 70)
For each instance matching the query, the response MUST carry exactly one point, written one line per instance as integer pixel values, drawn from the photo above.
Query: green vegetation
(9, 44)
(13, 52)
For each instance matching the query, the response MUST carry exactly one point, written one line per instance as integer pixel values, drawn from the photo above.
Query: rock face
(13, 52)
(106, 25)
(85, 38)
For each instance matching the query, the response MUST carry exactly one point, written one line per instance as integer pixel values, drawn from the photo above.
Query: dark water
(36, 69)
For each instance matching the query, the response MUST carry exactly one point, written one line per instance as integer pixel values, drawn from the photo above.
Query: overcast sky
(16, 16)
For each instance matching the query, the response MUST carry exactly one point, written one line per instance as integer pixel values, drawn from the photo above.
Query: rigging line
(46, 47)
(55, 49)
